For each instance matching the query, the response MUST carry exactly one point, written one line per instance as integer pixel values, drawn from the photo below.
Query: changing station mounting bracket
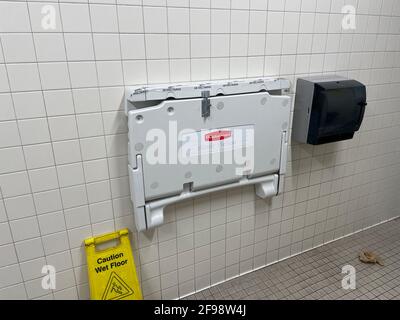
(190, 139)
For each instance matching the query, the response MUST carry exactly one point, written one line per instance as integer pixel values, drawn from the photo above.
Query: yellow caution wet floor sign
(112, 271)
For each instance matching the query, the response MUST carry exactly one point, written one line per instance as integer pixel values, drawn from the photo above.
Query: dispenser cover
(328, 109)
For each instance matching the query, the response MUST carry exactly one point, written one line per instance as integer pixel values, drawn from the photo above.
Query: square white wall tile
(155, 19)
(178, 20)
(56, 242)
(179, 46)
(14, 184)
(75, 17)
(107, 46)
(18, 47)
(5, 237)
(34, 131)
(67, 151)
(109, 73)
(10, 275)
(58, 102)
(47, 201)
(4, 83)
(156, 46)
(49, 47)
(103, 18)
(29, 105)
(43, 179)
(220, 21)
(240, 21)
(70, 174)
(93, 148)
(101, 211)
(8, 254)
(7, 110)
(24, 228)
(77, 217)
(132, 46)
(135, 72)
(23, 77)
(200, 21)
(32, 269)
(8, 12)
(11, 159)
(86, 100)
(44, 17)
(74, 196)
(83, 74)
(9, 135)
(63, 128)
(54, 75)
(29, 249)
(20, 207)
(79, 46)
(51, 222)
(130, 19)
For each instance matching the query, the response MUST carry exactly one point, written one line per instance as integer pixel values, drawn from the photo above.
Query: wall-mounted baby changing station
(190, 139)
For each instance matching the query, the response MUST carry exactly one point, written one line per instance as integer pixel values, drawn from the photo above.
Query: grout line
(177, 6)
(102, 116)
(265, 38)
(35, 216)
(13, 243)
(315, 198)
(295, 61)
(145, 43)
(248, 40)
(226, 57)
(80, 150)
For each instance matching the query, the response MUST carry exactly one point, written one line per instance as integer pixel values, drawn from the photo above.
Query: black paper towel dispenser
(327, 109)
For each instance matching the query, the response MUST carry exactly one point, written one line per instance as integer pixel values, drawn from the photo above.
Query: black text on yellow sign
(103, 266)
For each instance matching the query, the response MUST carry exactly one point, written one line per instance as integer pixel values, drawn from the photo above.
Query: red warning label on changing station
(218, 135)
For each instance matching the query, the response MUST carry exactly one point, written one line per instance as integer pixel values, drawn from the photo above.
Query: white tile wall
(63, 142)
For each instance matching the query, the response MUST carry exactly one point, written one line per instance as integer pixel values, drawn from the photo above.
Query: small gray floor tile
(316, 274)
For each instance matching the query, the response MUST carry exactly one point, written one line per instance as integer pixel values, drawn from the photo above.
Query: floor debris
(370, 257)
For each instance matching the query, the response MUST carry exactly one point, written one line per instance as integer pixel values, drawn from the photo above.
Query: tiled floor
(316, 274)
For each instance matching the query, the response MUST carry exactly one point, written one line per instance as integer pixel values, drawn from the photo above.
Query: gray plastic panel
(267, 114)
(302, 108)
